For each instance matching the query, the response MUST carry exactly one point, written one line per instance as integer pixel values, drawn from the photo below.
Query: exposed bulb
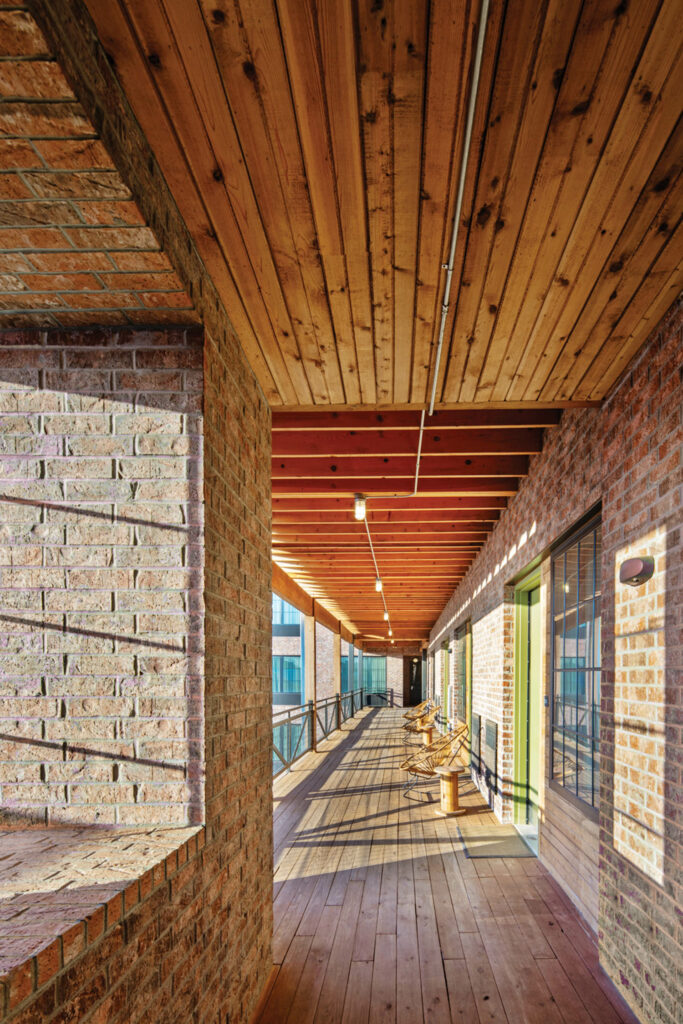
(359, 507)
(378, 585)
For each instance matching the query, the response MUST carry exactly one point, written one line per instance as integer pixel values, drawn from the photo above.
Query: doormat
(488, 838)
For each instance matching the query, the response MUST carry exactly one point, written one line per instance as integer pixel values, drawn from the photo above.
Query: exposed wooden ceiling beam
(296, 420)
(385, 503)
(504, 486)
(380, 531)
(368, 443)
(303, 539)
(376, 519)
(400, 466)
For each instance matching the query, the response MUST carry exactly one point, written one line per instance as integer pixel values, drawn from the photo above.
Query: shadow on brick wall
(101, 577)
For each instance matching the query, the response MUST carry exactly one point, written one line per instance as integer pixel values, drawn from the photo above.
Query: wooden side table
(449, 776)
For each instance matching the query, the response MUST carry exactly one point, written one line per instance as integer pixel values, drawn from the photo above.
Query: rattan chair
(446, 750)
(424, 720)
(420, 709)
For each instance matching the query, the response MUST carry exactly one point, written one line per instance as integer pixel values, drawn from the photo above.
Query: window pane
(558, 755)
(585, 771)
(586, 567)
(571, 581)
(576, 654)
(374, 674)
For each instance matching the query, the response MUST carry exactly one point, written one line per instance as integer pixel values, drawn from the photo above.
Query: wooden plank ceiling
(313, 148)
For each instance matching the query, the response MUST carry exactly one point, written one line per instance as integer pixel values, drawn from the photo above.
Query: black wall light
(635, 571)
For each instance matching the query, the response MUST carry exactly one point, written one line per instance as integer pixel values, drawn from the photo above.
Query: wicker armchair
(424, 720)
(446, 750)
(420, 709)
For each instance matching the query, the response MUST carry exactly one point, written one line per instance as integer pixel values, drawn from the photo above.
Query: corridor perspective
(380, 915)
(341, 478)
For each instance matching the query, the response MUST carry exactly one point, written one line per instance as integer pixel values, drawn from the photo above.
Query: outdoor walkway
(381, 916)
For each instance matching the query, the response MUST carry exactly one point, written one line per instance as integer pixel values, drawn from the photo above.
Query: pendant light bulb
(391, 632)
(359, 507)
(386, 616)
(378, 585)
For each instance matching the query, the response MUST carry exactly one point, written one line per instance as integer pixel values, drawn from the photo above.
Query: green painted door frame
(468, 687)
(528, 755)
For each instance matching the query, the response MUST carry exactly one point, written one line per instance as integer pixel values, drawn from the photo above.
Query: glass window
(285, 614)
(576, 665)
(286, 673)
(374, 673)
(344, 673)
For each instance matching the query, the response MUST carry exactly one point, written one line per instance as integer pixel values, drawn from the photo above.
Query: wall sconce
(635, 571)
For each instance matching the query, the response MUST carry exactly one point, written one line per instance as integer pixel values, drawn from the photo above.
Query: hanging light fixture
(391, 632)
(378, 585)
(386, 616)
(359, 507)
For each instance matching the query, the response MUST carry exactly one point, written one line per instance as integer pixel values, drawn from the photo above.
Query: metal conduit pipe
(483, 18)
(448, 267)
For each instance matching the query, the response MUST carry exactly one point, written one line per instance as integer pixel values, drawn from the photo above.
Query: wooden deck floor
(381, 917)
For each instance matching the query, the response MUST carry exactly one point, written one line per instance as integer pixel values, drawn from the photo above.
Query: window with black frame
(287, 674)
(576, 664)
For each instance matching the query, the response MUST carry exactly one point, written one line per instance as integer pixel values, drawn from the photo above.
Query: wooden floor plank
(380, 915)
(305, 1001)
(332, 995)
(357, 1001)
(285, 987)
(383, 993)
(484, 988)
(463, 1005)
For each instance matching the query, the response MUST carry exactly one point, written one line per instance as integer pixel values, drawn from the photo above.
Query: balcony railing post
(339, 718)
(314, 727)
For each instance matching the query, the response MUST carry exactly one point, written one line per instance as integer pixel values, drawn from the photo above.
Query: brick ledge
(63, 888)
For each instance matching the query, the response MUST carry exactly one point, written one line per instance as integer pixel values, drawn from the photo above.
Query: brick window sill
(62, 889)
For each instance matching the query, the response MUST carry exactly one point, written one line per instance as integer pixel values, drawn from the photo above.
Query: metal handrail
(305, 720)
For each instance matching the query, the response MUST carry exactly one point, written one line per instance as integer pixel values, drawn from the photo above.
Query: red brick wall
(74, 246)
(191, 939)
(238, 861)
(101, 554)
(627, 455)
(641, 853)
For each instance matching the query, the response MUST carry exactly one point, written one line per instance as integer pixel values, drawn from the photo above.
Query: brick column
(336, 663)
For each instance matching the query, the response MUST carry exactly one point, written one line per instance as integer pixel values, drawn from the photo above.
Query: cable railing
(299, 729)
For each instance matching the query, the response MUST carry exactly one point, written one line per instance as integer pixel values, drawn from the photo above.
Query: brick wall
(641, 852)
(324, 662)
(101, 554)
(238, 862)
(188, 940)
(74, 246)
(627, 455)
(395, 678)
